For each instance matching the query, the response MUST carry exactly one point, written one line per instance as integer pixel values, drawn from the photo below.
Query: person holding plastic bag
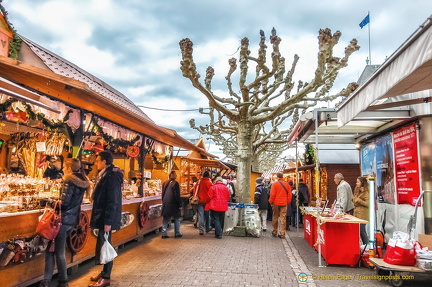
(74, 185)
(107, 208)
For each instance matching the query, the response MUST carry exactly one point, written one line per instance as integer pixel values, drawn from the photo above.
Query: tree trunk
(244, 141)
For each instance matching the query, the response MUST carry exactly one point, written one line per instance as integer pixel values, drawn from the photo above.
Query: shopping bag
(401, 250)
(107, 253)
(50, 222)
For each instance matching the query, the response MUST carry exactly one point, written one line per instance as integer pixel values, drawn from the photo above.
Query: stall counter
(335, 249)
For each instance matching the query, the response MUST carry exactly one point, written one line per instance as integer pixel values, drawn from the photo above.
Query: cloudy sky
(133, 44)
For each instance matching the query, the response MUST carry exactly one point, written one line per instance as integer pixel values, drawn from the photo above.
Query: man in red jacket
(280, 197)
(203, 187)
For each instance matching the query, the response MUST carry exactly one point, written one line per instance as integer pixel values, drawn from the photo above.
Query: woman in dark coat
(74, 185)
(171, 204)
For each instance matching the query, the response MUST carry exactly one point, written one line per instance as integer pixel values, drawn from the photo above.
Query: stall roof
(79, 94)
(407, 70)
(207, 162)
(364, 124)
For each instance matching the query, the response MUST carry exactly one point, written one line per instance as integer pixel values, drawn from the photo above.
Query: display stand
(335, 248)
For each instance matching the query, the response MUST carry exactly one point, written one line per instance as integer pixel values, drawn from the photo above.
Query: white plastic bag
(107, 253)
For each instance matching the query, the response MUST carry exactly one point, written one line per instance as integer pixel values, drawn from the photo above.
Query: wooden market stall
(51, 107)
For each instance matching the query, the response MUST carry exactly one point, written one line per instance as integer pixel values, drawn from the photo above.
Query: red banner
(407, 165)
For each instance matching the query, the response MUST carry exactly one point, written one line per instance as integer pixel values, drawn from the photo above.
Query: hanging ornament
(133, 151)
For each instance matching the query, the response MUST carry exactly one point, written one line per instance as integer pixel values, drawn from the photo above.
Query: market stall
(51, 110)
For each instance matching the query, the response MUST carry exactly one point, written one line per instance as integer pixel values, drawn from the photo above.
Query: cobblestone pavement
(195, 260)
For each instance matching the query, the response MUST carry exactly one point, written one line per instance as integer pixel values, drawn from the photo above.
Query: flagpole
(370, 58)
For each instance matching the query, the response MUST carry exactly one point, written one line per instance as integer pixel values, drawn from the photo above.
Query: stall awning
(363, 124)
(207, 163)
(80, 95)
(11, 89)
(408, 70)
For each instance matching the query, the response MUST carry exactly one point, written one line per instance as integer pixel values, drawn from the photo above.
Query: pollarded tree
(267, 143)
(271, 93)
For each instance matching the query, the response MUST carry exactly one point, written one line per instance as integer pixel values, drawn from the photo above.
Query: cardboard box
(425, 240)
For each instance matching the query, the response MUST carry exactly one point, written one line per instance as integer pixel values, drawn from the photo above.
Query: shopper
(261, 198)
(54, 169)
(280, 197)
(303, 194)
(344, 194)
(74, 186)
(171, 204)
(267, 183)
(219, 196)
(203, 215)
(107, 208)
(361, 205)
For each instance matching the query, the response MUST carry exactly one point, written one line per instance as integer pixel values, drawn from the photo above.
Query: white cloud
(133, 44)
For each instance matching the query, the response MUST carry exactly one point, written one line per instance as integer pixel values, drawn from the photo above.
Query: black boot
(62, 284)
(44, 283)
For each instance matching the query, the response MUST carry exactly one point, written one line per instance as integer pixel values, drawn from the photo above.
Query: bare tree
(270, 96)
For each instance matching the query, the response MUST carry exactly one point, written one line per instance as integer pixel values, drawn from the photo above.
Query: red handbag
(50, 223)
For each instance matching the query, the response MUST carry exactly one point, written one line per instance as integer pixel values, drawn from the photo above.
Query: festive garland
(15, 44)
(50, 125)
(113, 142)
(158, 160)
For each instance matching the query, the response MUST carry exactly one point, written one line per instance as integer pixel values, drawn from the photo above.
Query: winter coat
(107, 199)
(345, 196)
(74, 186)
(219, 197)
(304, 191)
(278, 195)
(361, 203)
(261, 197)
(204, 186)
(171, 200)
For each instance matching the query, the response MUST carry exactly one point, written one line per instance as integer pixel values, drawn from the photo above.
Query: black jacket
(261, 197)
(74, 186)
(303, 193)
(171, 201)
(107, 199)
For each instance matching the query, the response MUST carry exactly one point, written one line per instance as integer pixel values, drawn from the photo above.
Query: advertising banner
(406, 165)
(385, 169)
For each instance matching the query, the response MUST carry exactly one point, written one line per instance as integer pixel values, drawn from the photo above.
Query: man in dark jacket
(303, 193)
(107, 208)
(261, 198)
(171, 204)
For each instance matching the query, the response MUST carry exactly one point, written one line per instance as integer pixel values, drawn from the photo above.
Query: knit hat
(259, 180)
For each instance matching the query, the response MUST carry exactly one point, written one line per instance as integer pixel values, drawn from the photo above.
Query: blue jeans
(166, 221)
(58, 255)
(218, 218)
(203, 219)
(106, 271)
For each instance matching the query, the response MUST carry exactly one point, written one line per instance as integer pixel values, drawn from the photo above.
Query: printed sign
(406, 165)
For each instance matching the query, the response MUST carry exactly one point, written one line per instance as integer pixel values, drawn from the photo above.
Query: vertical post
(317, 188)
(297, 190)
(370, 58)
(372, 220)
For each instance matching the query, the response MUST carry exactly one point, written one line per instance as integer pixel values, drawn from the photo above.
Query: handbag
(107, 253)
(50, 222)
(194, 199)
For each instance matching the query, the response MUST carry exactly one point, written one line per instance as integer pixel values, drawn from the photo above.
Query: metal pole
(317, 191)
(297, 190)
(372, 215)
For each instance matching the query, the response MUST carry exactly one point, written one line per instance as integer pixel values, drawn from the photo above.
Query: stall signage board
(406, 165)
